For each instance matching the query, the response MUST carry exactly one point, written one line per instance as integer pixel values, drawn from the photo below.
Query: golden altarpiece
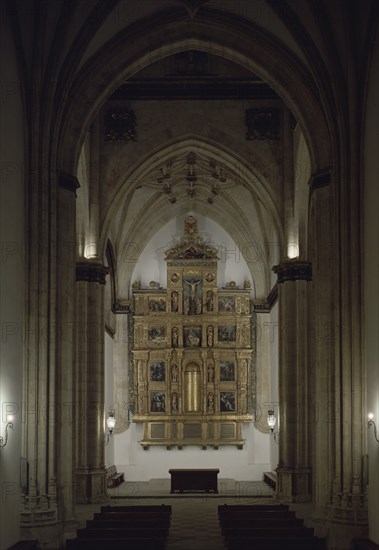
(193, 377)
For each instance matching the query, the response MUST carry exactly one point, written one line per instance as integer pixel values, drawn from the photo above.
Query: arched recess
(250, 223)
(169, 33)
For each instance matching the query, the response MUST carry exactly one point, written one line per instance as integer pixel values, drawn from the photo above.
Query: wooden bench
(156, 533)
(138, 522)
(153, 508)
(125, 528)
(253, 508)
(115, 544)
(274, 543)
(25, 545)
(114, 478)
(260, 522)
(270, 479)
(272, 527)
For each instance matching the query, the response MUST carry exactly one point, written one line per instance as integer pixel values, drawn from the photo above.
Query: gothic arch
(154, 215)
(170, 32)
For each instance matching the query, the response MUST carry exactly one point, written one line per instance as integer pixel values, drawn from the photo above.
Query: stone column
(90, 469)
(47, 503)
(294, 472)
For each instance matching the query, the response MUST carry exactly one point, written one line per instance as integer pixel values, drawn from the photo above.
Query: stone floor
(194, 521)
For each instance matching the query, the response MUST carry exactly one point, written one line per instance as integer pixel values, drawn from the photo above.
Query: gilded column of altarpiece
(193, 376)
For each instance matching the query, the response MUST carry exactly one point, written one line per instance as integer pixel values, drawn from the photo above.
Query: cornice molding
(91, 272)
(269, 302)
(69, 182)
(122, 307)
(293, 270)
(322, 179)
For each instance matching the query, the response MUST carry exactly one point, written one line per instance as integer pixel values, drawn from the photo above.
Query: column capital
(68, 181)
(293, 270)
(322, 179)
(92, 272)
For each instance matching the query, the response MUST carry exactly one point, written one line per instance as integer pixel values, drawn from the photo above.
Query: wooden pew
(260, 522)
(272, 527)
(128, 522)
(126, 527)
(273, 531)
(114, 478)
(114, 544)
(159, 509)
(123, 533)
(276, 543)
(253, 507)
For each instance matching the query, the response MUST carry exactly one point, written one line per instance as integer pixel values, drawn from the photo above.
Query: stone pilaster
(294, 472)
(90, 478)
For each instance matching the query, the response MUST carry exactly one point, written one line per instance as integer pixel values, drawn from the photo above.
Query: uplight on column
(9, 425)
(271, 421)
(372, 423)
(111, 423)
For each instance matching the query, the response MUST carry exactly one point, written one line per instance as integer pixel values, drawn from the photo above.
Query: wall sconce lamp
(271, 421)
(111, 423)
(372, 423)
(4, 440)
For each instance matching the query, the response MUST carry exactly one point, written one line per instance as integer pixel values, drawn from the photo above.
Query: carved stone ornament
(120, 125)
(231, 284)
(262, 123)
(192, 245)
(154, 284)
(293, 270)
(91, 272)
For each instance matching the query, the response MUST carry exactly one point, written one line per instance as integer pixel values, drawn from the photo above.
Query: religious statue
(192, 310)
(175, 337)
(209, 300)
(210, 401)
(210, 373)
(210, 336)
(192, 339)
(174, 301)
(174, 402)
(174, 374)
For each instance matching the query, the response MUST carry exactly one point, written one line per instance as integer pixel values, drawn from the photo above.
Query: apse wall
(248, 463)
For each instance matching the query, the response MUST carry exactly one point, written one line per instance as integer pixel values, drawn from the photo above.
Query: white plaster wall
(109, 396)
(247, 464)
(274, 379)
(371, 288)
(12, 297)
(152, 267)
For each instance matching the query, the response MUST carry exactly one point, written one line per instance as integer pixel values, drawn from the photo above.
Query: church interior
(189, 255)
